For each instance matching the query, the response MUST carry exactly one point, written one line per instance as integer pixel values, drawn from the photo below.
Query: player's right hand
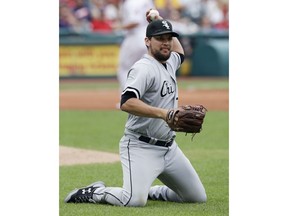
(150, 17)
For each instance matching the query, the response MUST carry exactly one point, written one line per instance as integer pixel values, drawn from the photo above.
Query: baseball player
(148, 149)
(134, 25)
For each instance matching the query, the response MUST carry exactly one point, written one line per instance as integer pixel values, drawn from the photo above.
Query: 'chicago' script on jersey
(167, 88)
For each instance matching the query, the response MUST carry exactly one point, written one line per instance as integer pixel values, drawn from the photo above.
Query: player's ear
(147, 42)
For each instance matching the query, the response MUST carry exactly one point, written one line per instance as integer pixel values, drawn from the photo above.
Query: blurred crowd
(104, 16)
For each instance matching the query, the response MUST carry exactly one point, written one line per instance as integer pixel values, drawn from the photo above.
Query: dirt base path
(73, 156)
(107, 99)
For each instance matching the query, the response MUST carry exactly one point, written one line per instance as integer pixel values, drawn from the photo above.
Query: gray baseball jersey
(142, 161)
(155, 85)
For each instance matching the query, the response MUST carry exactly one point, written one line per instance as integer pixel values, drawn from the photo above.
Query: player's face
(160, 47)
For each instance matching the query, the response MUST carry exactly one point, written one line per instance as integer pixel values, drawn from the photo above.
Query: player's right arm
(139, 79)
(137, 107)
(177, 47)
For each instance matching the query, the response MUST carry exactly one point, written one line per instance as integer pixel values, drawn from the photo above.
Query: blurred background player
(133, 23)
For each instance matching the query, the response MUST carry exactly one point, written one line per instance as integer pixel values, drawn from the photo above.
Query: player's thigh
(140, 168)
(182, 178)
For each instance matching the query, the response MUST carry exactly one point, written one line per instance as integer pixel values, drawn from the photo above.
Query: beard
(161, 57)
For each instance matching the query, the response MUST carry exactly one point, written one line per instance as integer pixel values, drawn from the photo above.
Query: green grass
(208, 151)
(102, 130)
(99, 130)
(216, 188)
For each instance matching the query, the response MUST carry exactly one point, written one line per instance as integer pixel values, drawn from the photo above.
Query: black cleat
(84, 195)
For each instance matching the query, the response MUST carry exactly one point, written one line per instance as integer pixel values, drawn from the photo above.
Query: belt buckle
(152, 141)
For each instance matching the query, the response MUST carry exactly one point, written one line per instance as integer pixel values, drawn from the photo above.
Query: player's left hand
(186, 118)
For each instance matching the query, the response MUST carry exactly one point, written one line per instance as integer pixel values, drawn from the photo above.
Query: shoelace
(84, 199)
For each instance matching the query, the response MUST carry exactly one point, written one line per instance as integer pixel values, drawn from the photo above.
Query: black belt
(157, 143)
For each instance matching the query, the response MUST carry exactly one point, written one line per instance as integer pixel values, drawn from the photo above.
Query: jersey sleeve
(175, 60)
(139, 79)
(126, 96)
(182, 57)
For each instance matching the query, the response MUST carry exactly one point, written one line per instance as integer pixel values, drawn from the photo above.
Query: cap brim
(174, 34)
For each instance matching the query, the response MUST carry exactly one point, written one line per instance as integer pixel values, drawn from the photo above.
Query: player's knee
(137, 201)
(197, 195)
(199, 198)
(202, 198)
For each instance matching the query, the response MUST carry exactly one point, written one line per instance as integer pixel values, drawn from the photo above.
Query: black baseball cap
(160, 27)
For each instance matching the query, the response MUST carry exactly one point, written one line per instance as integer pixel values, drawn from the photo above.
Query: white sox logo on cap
(165, 24)
(160, 27)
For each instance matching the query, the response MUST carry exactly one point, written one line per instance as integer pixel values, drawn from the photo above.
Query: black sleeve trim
(126, 96)
(137, 93)
(182, 57)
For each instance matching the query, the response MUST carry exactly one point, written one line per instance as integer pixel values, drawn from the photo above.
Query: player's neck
(159, 60)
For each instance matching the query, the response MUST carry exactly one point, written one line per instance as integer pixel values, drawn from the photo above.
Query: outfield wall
(96, 55)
